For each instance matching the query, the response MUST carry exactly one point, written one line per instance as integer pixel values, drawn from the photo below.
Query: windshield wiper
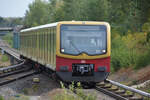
(75, 47)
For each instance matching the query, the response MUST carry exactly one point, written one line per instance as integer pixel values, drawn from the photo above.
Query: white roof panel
(39, 27)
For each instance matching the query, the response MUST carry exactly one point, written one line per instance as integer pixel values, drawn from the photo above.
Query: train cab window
(89, 39)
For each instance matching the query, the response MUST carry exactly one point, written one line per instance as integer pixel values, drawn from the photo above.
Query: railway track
(15, 72)
(121, 92)
(16, 76)
(11, 68)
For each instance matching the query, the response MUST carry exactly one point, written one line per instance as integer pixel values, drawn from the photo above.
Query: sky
(14, 8)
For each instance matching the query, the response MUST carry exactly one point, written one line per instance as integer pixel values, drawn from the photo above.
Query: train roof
(55, 24)
(40, 27)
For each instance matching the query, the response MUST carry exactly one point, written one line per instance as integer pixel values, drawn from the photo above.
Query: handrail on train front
(129, 88)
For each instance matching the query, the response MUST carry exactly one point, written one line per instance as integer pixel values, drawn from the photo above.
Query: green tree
(37, 13)
(1, 19)
(56, 11)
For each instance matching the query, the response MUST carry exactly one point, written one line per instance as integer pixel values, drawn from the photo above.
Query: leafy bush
(146, 26)
(121, 56)
(129, 50)
(143, 60)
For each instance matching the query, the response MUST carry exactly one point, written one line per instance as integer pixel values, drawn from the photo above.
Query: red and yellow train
(75, 50)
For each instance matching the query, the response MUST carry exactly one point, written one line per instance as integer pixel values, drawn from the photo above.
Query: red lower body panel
(99, 73)
(97, 63)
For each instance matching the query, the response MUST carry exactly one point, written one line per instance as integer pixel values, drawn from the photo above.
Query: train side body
(39, 45)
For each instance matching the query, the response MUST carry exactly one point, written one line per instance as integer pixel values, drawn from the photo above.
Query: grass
(66, 97)
(148, 90)
(35, 88)
(9, 39)
(134, 82)
(19, 97)
(4, 58)
(25, 91)
(1, 97)
(69, 95)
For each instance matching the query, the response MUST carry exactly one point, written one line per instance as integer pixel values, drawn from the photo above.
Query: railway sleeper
(101, 84)
(127, 95)
(9, 70)
(5, 71)
(136, 98)
(11, 79)
(107, 86)
(120, 92)
(15, 72)
(113, 89)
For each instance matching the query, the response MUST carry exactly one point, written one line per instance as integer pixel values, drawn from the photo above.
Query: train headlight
(64, 68)
(103, 51)
(62, 50)
(102, 68)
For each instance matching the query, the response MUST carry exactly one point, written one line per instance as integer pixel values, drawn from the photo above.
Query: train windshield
(89, 39)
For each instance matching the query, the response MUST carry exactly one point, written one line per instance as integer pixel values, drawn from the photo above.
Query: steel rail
(23, 75)
(129, 88)
(11, 52)
(15, 72)
(12, 67)
(6, 29)
(110, 93)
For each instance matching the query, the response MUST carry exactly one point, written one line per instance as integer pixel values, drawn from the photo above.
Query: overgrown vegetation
(4, 58)
(19, 97)
(69, 95)
(1, 97)
(130, 50)
(9, 38)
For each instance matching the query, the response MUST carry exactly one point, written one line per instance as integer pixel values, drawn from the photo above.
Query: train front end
(83, 51)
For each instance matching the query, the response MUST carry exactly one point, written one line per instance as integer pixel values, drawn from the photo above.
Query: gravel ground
(100, 95)
(26, 89)
(92, 92)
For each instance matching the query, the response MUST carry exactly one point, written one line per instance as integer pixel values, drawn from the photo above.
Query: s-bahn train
(75, 50)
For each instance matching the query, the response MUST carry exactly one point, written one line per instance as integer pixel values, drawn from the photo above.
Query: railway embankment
(139, 79)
